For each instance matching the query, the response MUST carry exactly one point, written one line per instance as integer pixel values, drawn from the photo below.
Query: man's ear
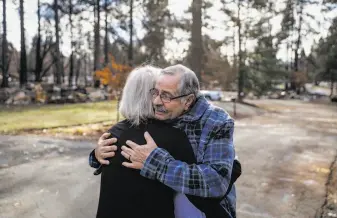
(189, 101)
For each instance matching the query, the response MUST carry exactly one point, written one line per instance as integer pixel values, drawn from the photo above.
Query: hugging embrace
(173, 155)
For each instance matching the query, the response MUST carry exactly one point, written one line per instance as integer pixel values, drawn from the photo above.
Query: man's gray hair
(189, 82)
(136, 102)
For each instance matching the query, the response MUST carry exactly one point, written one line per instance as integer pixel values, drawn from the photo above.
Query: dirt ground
(287, 157)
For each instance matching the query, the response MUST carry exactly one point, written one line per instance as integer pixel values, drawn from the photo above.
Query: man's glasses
(166, 98)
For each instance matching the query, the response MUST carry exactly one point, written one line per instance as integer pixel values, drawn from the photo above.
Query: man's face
(167, 86)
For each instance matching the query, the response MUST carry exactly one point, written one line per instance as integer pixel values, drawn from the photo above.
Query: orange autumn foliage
(113, 74)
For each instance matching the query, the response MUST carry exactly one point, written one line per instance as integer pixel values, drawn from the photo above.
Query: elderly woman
(124, 192)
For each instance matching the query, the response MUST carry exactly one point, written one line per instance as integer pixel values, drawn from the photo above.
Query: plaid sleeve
(93, 162)
(207, 179)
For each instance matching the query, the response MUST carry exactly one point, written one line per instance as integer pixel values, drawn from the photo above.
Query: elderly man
(176, 99)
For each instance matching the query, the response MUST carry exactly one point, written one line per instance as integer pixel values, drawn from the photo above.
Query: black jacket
(124, 192)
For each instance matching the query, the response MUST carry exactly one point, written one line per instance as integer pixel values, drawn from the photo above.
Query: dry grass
(18, 118)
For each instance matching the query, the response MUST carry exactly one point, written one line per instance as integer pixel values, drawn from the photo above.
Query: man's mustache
(160, 108)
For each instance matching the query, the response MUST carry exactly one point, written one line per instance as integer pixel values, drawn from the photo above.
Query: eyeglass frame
(170, 98)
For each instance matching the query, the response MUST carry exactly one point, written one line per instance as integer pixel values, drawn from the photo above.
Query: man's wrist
(153, 162)
(93, 162)
(93, 154)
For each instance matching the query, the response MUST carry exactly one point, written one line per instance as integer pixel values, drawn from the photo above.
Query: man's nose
(157, 100)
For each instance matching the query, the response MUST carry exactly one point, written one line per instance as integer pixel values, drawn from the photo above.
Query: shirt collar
(196, 112)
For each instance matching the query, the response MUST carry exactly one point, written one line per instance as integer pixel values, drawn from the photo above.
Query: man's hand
(137, 154)
(105, 148)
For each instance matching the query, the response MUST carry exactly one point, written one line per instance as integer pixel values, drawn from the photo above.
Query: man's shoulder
(205, 113)
(217, 115)
(218, 123)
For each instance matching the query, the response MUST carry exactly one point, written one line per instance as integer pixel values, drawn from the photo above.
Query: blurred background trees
(248, 47)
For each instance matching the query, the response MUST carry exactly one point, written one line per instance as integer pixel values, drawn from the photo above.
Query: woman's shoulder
(159, 123)
(117, 129)
(173, 139)
(165, 128)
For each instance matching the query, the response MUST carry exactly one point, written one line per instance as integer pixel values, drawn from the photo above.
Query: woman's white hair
(136, 103)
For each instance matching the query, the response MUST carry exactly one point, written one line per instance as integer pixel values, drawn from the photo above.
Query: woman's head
(136, 102)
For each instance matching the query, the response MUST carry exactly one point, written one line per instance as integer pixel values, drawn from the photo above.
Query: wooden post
(234, 106)
(118, 100)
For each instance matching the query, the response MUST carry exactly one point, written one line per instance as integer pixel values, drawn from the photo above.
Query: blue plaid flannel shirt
(210, 132)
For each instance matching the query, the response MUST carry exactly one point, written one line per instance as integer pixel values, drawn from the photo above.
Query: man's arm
(93, 162)
(210, 178)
